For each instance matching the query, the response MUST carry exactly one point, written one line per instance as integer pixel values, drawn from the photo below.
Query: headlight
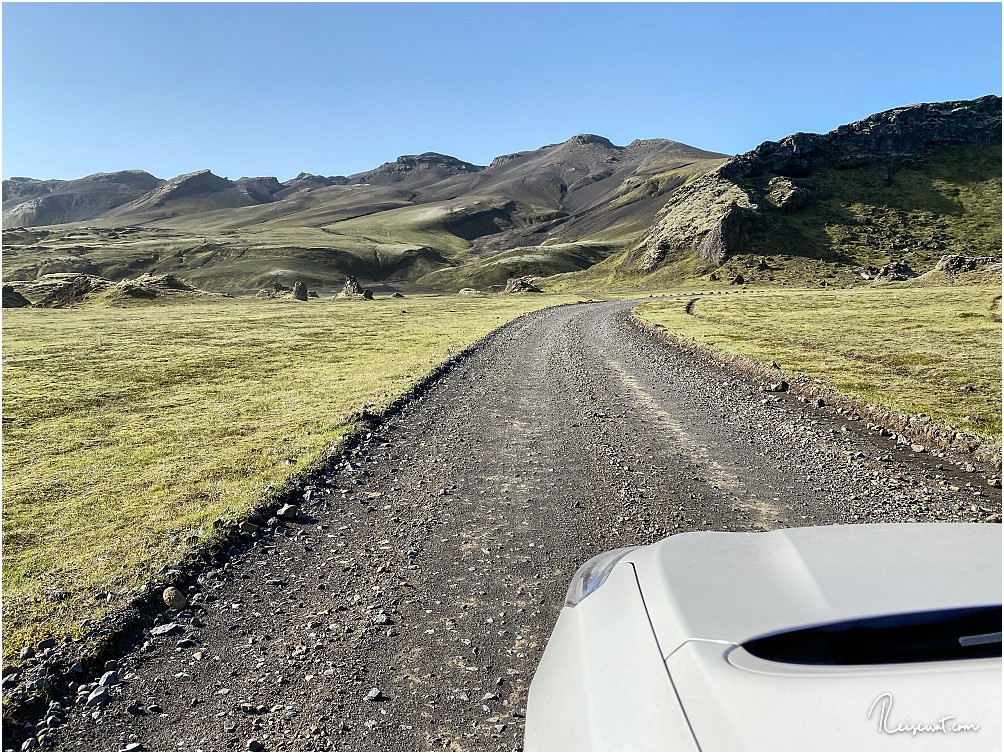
(592, 574)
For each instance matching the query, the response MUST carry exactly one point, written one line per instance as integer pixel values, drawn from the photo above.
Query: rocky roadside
(403, 604)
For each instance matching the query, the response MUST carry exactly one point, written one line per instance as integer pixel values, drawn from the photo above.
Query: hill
(571, 204)
(31, 202)
(903, 187)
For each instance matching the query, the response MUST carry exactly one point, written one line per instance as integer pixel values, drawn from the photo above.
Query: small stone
(289, 512)
(98, 696)
(994, 482)
(109, 679)
(26, 654)
(134, 746)
(381, 619)
(249, 527)
(165, 629)
(174, 599)
(135, 709)
(499, 728)
(30, 745)
(374, 695)
(916, 448)
(52, 721)
(111, 665)
(76, 668)
(488, 697)
(155, 709)
(47, 644)
(254, 745)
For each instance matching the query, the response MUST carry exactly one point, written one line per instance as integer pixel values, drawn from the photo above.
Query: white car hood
(708, 592)
(730, 587)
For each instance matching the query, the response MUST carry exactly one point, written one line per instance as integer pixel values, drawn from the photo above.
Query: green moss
(905, 349)
(128, 431)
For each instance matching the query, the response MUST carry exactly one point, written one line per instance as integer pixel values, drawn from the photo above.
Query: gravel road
(432, 566)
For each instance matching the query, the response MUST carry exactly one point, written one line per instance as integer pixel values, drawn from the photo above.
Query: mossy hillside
(536, 261)
(917, 210)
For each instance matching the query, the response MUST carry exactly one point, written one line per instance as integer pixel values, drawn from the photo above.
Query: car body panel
(730, 586)
(652, 659)
(807, 708)
(585, 697)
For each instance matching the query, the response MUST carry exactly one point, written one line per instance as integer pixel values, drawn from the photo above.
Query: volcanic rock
(12, 299)
(521, 285)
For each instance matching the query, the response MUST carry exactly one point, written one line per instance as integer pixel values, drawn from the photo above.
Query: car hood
(708, 592)
(730, 587)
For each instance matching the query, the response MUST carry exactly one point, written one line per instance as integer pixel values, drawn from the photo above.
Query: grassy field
(128, 431)
(914, 350)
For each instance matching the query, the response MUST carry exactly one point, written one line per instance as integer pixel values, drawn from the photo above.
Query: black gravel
(407, 607)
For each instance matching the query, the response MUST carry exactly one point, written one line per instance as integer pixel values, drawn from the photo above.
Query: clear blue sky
(273, 89)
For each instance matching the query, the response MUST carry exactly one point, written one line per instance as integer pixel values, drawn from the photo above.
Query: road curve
(437, 559)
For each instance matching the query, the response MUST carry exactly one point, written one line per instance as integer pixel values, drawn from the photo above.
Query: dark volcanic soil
(435, 563)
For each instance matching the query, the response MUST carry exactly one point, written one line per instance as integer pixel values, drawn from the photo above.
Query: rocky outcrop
(66, 289)
(352, 287)
(353, 290)
(714, 215)
(521, 285)
(691, 221)
(901, 132)
(299, 291)
(958, 263)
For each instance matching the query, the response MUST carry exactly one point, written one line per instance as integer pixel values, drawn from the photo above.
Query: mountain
(889, 195)
(907, 185)
(31, 202)
(419, 219)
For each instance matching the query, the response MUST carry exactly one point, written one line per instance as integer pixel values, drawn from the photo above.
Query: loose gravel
(405, 603)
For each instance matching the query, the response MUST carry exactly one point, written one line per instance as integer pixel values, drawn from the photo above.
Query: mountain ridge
(904, 186)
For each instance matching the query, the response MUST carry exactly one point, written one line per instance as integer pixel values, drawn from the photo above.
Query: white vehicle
(881, 637)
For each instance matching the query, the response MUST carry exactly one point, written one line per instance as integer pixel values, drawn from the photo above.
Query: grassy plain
(126, 432)
(915, 350)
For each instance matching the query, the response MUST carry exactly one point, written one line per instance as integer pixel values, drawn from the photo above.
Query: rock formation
(521, 285)
(713, 217)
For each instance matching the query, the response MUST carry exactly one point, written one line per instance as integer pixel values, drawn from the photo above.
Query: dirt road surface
(432, 566)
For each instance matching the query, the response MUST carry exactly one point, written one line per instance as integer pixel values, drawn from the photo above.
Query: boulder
(895, 271)
(299, 291)
(521, 285)
(12, 299)
(786, 195)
